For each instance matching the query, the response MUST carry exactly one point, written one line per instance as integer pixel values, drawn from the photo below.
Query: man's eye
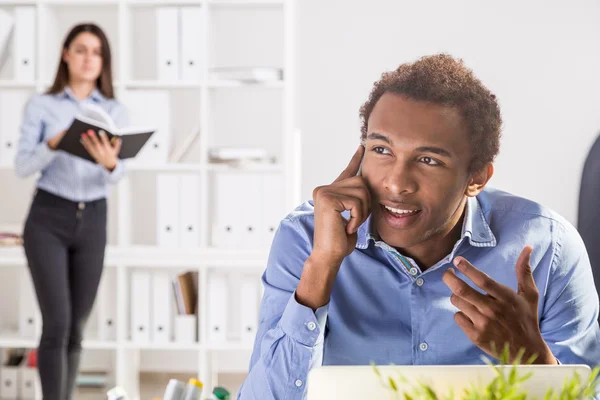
(381, 150)
(429, 161)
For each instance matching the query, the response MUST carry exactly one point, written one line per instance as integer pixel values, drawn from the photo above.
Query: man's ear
(479, 179)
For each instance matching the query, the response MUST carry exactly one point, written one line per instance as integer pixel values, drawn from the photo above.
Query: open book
(95, 118)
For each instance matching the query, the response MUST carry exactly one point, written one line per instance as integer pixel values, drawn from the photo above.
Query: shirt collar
(95, 95)
(475, 228)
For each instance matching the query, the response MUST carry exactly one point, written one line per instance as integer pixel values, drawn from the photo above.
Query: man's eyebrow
(379, 136)
(435, 150)
(424, 149)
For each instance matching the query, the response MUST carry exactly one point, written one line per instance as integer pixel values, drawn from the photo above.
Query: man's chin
(401, 243)
(398, 238)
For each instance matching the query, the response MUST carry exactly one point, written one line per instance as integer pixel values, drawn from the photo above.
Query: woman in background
(65, 232)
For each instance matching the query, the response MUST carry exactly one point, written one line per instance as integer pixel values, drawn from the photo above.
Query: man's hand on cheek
(501, 316)
(334, 237)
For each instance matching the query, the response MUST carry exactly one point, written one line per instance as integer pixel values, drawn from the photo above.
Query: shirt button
(413, 271)
(423, 346)
(298, 383)
(311, 326)
(420, 282)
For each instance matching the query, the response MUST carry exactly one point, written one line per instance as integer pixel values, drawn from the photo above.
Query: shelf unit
(125, 254)
(149, 3)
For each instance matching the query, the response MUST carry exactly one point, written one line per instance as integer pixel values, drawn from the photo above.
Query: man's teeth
(399, 211)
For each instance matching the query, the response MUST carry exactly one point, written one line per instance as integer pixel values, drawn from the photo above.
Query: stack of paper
(238, 155)
(248, 75)
(10, 239)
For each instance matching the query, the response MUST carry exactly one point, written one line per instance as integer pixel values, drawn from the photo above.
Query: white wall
(541, 58)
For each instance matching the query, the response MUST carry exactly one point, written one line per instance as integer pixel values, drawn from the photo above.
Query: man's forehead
(393, 112)
(391, 104)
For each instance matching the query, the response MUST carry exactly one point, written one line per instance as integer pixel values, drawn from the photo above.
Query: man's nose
(401, 179)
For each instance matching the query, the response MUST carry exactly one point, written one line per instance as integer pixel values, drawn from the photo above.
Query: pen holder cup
(185, 328)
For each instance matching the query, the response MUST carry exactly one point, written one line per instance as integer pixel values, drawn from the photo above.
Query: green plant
(505, 386)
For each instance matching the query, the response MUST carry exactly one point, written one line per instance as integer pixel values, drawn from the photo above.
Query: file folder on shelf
(28, 382)
(217, 308)
(191, 43)
(227, 230)
(24, 43)
(12, 106)
(248, 309)
(9, 387)
(107, 308)
(140, 306)
(167, 207)
(273, 197)
(189, 218)
(161, 307)
(28, 308)
(150, 108)
(250, 215)
(167, 42)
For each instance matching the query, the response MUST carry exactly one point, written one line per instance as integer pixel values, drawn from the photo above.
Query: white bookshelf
(218, 3)
(225, 112)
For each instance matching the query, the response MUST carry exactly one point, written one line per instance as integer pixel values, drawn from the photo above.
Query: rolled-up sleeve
(289, 341)
(116, 174)
(33, 154)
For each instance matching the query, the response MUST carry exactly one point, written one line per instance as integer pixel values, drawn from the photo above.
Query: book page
(134, 130)
(96, 113)
(95, 123)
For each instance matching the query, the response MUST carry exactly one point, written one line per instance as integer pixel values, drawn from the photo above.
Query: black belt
(50, 198)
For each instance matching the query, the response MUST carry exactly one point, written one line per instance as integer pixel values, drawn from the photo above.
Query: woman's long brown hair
(104, 81)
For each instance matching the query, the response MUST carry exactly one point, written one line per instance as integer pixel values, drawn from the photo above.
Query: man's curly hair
(443, 80)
